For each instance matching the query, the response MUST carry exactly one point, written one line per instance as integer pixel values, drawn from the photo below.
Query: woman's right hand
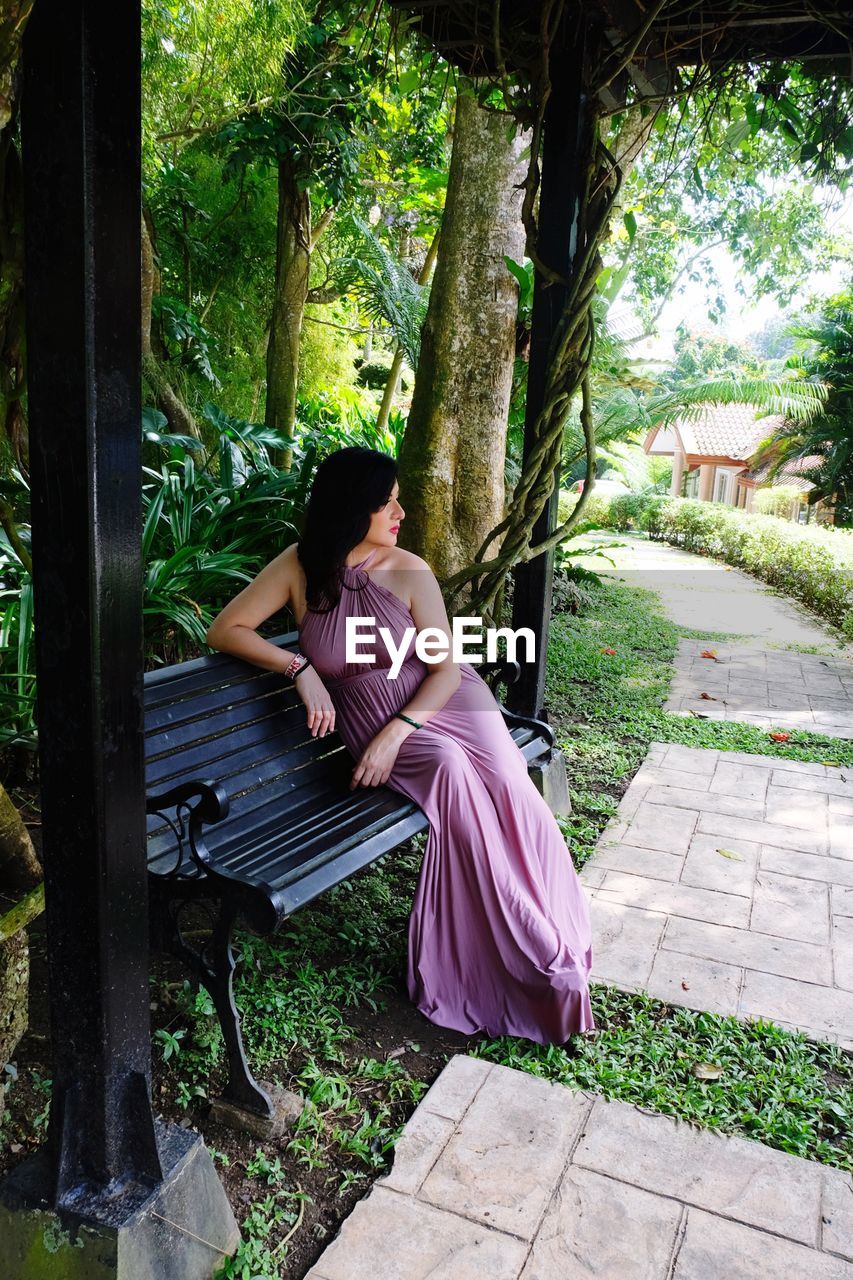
(318, 703)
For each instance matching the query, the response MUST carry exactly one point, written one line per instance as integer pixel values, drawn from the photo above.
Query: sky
(741, 318)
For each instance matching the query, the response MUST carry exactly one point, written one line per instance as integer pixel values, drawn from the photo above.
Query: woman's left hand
(377, 759)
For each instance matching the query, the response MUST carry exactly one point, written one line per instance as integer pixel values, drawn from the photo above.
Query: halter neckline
(363, 562)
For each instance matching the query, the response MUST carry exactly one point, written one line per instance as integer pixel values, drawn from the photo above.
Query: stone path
(725, 882)
(705, 594)
(502, 1176)
(774, 688)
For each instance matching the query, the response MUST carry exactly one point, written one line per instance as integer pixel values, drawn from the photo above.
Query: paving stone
(417, 1149)
(624, 942)
(840, 806)
(504, 1159)
(837, 1213)
(752, 950)
(790, 907)
(744, 780)
(797, 1003)
(648, 862)
(598, 1227)
(809, 866)
(676, 899)
(456, 1087)
(842, 901)
(841, 839)
(695, 984)
(741, 1179)
(706, 868)
(832, 784)
(797, 806)
(591, 875)
(399, 1238)
(691, 759)
(721, 824)
(709, 801)
(659, 775)
(842, 953)
(715, 1249)
(660, 826)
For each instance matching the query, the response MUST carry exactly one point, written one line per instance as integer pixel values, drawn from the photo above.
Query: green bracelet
(408, 719)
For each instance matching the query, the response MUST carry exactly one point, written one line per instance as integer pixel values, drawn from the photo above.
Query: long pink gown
(499, 934)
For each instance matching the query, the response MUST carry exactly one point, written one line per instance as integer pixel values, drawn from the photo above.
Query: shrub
(812, 563)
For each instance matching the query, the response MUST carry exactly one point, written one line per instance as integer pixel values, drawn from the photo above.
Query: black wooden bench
(253, 817)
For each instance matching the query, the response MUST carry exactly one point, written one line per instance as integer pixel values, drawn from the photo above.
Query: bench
(251, 816)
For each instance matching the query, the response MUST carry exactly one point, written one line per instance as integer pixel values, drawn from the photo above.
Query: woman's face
(385, 523)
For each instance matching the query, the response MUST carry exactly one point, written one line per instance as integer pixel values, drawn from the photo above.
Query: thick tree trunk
(292, 267)
(19, 872)
(12, 345)
(452, 456)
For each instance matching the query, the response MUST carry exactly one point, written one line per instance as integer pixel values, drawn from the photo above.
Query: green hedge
(811, 563)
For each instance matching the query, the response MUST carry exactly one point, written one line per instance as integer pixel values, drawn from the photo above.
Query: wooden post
(84, 1205)
(566, 116)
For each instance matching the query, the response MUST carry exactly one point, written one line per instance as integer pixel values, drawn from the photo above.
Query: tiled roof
(730, 430)
(790, 474)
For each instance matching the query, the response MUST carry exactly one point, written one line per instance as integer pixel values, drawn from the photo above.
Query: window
(691, 483)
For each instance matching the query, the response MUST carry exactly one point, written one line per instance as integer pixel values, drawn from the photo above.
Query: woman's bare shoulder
(400, 558)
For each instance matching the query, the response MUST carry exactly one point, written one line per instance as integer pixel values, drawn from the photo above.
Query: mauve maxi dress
(499, 934)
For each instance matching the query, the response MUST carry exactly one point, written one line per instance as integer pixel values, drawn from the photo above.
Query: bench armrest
(211, 805)
(508, 672)
(504, 671)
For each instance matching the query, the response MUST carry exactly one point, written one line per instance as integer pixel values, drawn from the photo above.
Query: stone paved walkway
(774, 688)
(503, 1176)
(704, 594)
(725, 882)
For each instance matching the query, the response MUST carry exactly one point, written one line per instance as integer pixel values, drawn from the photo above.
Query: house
(711, 458)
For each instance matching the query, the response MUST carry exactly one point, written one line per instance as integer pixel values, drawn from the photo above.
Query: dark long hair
(349, 485)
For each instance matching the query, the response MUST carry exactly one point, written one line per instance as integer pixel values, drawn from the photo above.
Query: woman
(499, 934)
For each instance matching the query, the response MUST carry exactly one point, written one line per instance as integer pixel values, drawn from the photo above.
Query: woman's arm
(443, 679)
(234, 631)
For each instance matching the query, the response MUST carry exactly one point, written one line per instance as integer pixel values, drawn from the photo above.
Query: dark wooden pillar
(566, 115)
(81, 154)
(113, 1194)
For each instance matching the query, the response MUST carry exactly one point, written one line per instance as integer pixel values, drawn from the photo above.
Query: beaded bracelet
(408, 719)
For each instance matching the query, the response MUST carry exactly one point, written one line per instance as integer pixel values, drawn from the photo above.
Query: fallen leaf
(700, 715)
(709, 653)
(608, 650)
(730, 853)
(685, 986)
(779, 737)
(706, 1070)
(710, 696)
(15, 1147)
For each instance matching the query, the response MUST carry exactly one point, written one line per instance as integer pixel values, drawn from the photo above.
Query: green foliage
(780, 500)
(211, 527)
(811, 563)
(17, 653)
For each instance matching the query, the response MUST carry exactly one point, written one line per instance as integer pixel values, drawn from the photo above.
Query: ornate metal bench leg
(217, 974)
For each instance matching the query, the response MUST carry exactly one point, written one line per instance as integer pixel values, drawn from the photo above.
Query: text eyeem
(432, 643)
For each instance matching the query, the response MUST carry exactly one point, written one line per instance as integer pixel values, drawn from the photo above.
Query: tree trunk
(292, 267)
(12, 345)
(452, 455)
(19, 872)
